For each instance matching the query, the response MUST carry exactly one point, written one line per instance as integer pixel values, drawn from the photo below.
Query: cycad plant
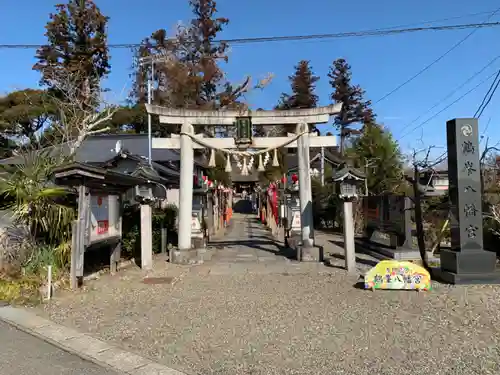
(34, 201)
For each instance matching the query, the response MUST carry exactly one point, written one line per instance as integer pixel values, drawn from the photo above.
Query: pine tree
(303, 84)
(355, 109)
(76, 47)
(24, 113)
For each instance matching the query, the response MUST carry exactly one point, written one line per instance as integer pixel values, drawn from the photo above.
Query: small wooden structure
(106, 188)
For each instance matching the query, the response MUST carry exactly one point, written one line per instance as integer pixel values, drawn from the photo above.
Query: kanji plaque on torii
(467, 262)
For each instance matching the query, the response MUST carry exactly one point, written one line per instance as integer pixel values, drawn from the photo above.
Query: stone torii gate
(188, 141)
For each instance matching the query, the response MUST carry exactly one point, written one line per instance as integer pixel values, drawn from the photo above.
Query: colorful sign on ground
(391, 274)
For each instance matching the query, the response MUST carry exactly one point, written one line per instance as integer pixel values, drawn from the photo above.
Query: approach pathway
(246, 240)
(247, 246)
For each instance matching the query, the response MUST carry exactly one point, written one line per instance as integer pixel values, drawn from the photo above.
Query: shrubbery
(132, 234)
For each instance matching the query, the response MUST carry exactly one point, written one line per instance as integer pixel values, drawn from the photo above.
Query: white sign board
(102, 226)
(196, 230)
(99, 211)
(195, 223)
(296, 221)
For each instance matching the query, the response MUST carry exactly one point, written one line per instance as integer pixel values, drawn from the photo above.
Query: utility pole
(322, 166)
(151, 80)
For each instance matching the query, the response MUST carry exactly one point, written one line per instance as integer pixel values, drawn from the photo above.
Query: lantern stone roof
(348, 171)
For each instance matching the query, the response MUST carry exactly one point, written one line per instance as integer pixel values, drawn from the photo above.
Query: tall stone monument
(467, 262)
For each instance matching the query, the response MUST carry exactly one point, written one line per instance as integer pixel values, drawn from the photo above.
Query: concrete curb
(82, 345)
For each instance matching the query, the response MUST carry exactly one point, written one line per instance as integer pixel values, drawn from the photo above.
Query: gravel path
(280, 317)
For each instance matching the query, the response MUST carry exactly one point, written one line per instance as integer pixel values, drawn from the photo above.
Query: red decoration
(283, 179)
(204, 178)
(295, 178)
(102, 226)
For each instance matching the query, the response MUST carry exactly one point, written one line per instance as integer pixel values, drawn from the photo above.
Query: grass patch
(22, 291)
(22, 285)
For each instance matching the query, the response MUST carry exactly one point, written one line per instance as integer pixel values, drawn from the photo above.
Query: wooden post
(79, 239)
(115, 257)
(74, 255)
(115, 221)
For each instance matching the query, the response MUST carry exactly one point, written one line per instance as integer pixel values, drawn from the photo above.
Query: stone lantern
(350, 180)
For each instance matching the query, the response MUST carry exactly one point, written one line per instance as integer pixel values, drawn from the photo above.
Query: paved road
(23, 354)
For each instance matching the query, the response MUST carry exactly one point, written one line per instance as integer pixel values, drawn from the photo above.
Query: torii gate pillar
(186, 190)
(306, 251)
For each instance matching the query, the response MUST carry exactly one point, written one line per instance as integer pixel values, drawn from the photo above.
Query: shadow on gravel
(368, 262)
(359, 285)
(360, 250)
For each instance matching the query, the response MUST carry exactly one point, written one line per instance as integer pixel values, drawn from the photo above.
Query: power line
(406, 25)
(451, 104)
(451, 93)
(490, 93)
(486, 95)
(436, 60)
(350, 34)
(489, 99)
(448, 106)
(437, 20)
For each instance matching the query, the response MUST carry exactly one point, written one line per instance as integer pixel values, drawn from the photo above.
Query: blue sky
(379, 64)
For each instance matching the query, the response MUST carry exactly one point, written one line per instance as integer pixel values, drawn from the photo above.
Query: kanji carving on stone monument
(470, 209)
(468, 148)
(469, 189)
(471, 231)
(469, 167)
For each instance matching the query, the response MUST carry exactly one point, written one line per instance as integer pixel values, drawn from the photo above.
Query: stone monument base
(190, 256)
(310, 253)
(380, 251)
(198, 242)
(475, 266)
(469, 278)
(303, 253)
(468, 261)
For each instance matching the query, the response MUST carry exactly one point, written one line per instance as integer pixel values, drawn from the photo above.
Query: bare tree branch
(82, 112)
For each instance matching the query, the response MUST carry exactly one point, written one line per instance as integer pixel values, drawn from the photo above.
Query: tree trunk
(419, 219)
